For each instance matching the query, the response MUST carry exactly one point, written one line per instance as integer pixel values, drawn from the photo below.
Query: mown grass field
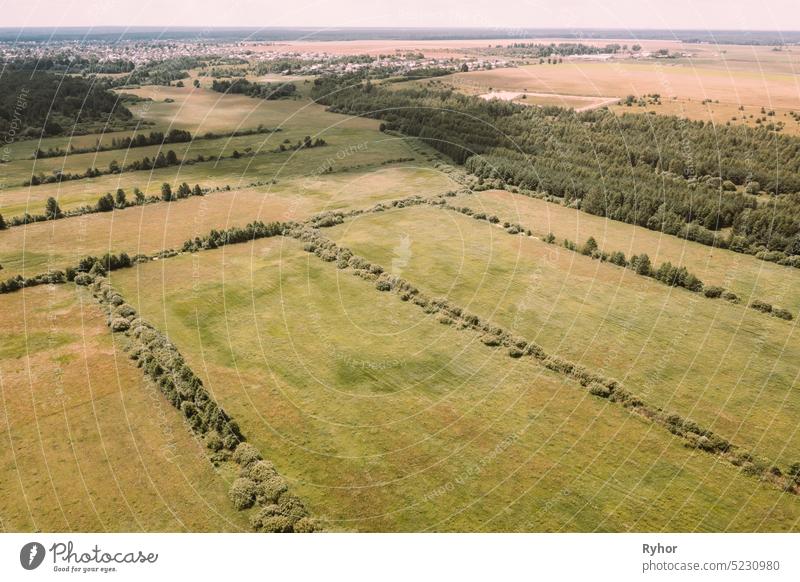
(385, 420)
(147, 229)
(747, 276)
(727, 367)
(88, 445)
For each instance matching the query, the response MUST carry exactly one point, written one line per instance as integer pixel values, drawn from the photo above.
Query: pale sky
(503, 14)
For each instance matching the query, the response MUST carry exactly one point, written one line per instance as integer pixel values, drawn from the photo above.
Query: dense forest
(268, 91)
(665, 173)
(34, 104)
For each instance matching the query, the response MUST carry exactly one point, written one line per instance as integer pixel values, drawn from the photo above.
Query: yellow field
(620, 78)
(88, 445)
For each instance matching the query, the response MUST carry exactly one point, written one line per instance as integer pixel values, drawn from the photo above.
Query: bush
(761, 306)
(305, 525)
(84, 279)
(242, 493)
(618, 258)
(259, 471)
(270, 520)
(120, 324)
(713, 292)
(213, 442)
(782, 313)
(730, 296)
(246, 454)
(271, 489)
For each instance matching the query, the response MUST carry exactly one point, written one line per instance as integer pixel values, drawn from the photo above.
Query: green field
(748, 277)
(727, 367)
(154, 227)
(88, 444)
(385, 420)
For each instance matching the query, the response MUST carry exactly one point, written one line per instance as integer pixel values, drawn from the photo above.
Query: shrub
(730, 296)
(259, 471)
(271, 489)
(782, 313)
(641, 265)
(119, 324)
(125, 310)
(305, 525)
(166, 192)
(550, 238)
(213, 442)
(105, 203)
(242, 493)
(270, 520)
(761, 306)
(589, 247)
(84, 279)
(618, 258)
(246, 454)
(713, 292)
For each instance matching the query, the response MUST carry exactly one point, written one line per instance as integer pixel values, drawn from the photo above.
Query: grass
(226, 172)
(35, 248)
(87, 444)
(747, 276)
(385, 420)
(727, 367)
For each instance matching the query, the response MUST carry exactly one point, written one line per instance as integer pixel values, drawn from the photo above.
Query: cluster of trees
(665, 173)
(34, 104)
(159, 72)
(267, 91)
(137, 141)
(564, 49)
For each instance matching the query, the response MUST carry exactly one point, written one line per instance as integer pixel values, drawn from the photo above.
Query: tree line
(269, 91)
(683, 177)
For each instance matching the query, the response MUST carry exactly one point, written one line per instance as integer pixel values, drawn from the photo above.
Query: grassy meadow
(727, 367)
(88, 445)
(746, 276)
(385, 420)
(154, 227)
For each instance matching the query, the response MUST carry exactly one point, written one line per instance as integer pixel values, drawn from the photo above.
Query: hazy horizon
(734, 15)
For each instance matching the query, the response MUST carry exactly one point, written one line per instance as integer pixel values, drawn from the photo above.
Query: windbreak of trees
(682, 177)
(137, 141)
(269, 91)
(46, 104)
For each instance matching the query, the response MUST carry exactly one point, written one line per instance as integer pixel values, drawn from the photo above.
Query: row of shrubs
(154, 138)
(450, 314)
(667, 273)
(259, 485)
(163, 160)
(106, 203)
